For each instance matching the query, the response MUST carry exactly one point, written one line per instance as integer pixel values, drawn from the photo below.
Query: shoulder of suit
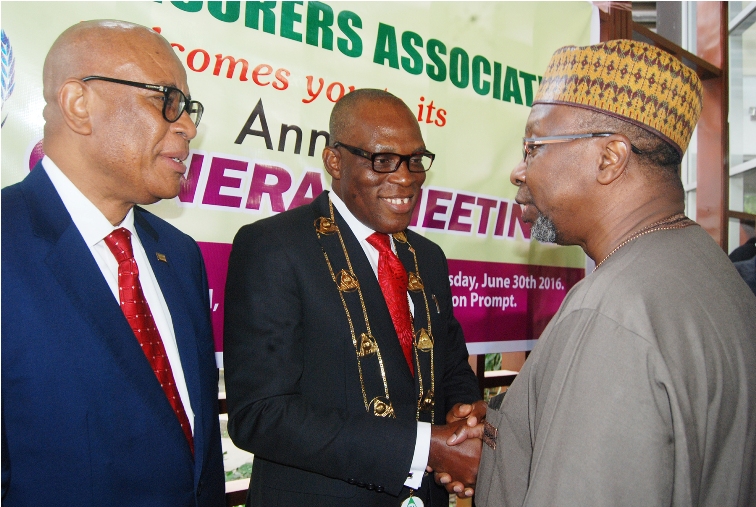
(21, 202)
(11, 196)
(14, 213)
(293, 221)
(15, 192)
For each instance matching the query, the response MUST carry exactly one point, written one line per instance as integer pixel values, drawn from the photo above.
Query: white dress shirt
(94, 227)
(422, 442)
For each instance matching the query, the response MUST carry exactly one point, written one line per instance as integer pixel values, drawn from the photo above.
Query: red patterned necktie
(393, 281)
(137, 312)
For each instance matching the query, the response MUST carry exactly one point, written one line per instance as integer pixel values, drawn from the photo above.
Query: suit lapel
(159, 255)
(380, 317)
(72, 265)
(399, 378)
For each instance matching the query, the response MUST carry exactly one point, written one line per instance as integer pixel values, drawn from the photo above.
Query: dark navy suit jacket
(84, 419)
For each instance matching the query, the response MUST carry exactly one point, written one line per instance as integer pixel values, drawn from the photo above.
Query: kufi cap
(630, 80)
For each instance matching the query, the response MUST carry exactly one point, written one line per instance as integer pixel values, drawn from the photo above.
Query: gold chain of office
(677, 221)
(366, 345)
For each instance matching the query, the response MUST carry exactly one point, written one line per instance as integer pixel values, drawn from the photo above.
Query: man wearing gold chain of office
(342, 352)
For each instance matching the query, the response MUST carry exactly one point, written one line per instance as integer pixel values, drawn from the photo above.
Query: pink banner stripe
(216, 261)
(504, 302)
(493, 301)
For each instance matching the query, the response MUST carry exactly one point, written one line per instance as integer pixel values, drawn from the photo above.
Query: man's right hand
(459, 462)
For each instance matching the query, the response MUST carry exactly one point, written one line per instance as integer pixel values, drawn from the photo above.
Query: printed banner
(268, 74)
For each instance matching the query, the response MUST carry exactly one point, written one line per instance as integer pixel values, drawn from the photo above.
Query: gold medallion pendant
(347, 283)
(382, 407)
(427, 402)
(367, 345)
(413, 501)
(326, 225)
(424, 341)
(414, 282)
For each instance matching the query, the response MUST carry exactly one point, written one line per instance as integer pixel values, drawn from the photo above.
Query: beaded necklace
(677, 221)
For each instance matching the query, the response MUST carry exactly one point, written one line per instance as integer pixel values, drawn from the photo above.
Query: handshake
(456, 446)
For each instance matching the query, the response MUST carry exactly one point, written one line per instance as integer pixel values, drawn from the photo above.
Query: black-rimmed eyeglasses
(174, 100)
(528, 143)
(389, 162)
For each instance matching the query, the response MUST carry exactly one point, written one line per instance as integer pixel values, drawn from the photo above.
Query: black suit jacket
(291, 372)
(84, 419)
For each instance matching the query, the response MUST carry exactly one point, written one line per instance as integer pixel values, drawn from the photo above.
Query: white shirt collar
(91, 222)
(360, 230)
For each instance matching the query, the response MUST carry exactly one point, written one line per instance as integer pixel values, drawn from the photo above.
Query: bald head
(366, 123)
(346, 111)
(94, 47)
(111, 137)
(98, 47)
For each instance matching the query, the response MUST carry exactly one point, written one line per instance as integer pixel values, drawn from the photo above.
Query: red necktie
(393, 281)
(137, 312)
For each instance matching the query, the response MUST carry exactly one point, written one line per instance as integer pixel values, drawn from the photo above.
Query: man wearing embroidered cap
(642, 389)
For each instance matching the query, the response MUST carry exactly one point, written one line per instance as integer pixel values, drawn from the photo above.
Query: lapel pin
(161, 257)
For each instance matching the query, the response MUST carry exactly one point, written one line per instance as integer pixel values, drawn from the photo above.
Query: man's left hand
(474, 414)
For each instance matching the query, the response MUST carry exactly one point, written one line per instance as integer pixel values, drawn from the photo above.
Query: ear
(74, 100)
(614, 159)
(332, 162)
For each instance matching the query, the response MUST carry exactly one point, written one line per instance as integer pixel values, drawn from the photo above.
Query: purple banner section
(216, 262)
(498, 302)
(494, 302)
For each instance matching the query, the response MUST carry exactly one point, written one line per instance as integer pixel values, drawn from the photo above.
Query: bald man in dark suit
(338, 381)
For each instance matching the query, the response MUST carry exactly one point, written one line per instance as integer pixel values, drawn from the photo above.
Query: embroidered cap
(630, 80)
